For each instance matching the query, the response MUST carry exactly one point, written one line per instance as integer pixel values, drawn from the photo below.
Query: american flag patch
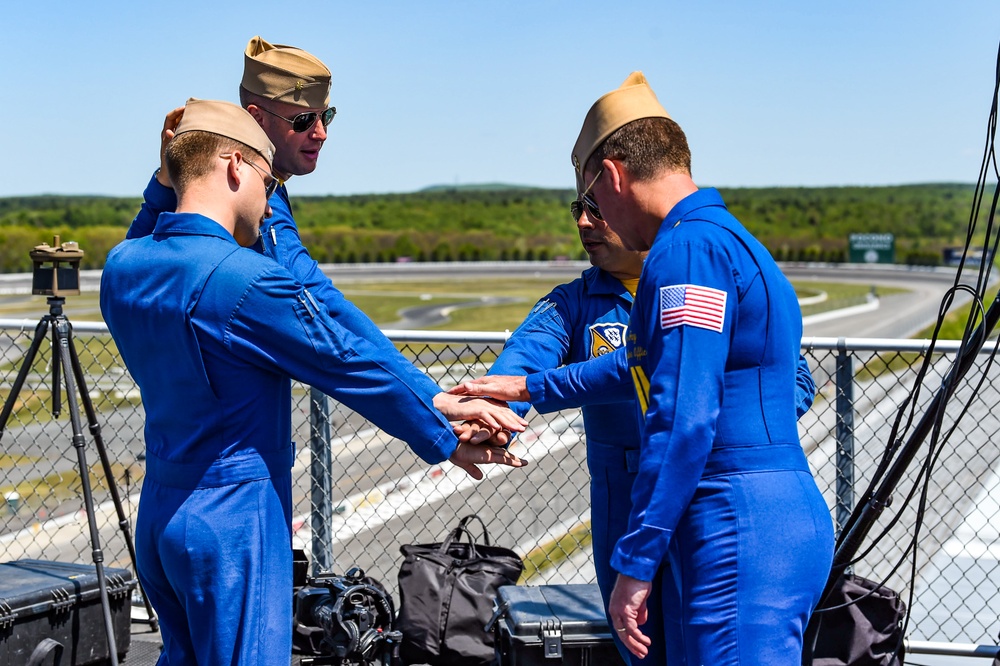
(692, 305)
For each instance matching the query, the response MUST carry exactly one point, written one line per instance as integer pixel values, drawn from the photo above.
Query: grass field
(382, 301)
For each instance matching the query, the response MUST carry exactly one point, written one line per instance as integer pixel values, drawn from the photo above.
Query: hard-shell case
(553, 624)
(61, 602)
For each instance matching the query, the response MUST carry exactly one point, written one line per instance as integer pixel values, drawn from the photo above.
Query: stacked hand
(500, 387)
(485, 428)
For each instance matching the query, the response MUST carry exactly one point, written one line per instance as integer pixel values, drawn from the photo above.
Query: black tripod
(66, 362)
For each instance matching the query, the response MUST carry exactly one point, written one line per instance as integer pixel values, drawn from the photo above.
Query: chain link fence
(360, 495)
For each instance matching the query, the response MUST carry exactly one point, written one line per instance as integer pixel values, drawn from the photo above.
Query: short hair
(647, 147)
(247, 98)
(191, 155)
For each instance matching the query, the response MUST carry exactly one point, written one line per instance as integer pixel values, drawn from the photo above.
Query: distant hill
(477, 187)
(498, 221)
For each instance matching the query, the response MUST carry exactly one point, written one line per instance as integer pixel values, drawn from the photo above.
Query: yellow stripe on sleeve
(641, 387)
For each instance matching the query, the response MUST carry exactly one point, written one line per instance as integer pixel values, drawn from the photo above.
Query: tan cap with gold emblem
(285, 74)
(633, 100)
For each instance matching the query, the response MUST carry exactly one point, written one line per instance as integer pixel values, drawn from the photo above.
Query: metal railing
(360, 495)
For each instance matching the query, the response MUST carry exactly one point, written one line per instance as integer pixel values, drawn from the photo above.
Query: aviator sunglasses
(304, 121)
(576, 208)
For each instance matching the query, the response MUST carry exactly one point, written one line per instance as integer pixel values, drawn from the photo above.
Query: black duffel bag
(861, 624)
(446, 595)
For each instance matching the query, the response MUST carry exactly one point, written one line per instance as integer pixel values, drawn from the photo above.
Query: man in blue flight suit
(212, 332)
(287, 91)
(583, 320)
(586, 319)
(723, 494)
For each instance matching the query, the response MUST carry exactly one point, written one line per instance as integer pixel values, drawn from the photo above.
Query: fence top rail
(890, 344)
(22, 325)
(499, 337)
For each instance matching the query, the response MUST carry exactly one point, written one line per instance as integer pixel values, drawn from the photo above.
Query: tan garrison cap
(285, 74)
(228, 120)
(633, 100)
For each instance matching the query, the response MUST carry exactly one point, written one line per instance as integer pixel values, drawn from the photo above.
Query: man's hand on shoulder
(170, 124)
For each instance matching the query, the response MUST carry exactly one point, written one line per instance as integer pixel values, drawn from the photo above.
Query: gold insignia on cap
(633, 100)
(286, 74)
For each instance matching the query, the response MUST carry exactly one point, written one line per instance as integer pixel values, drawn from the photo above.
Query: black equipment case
(553, 624)
(61, 602)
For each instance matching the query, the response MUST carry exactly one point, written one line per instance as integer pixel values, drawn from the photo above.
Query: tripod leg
(56, 399)
(61, 337)
(22, 374)
(102, 452)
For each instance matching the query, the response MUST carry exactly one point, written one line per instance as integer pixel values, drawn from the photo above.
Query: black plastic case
(553, 624)
(61, 601)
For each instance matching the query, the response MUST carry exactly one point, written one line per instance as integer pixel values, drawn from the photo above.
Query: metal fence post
(845, 433)
(321, 516)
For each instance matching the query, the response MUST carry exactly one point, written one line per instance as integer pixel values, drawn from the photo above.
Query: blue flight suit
(582, 320)
(279, 239)
(586, 319)
(724, 492)
(212, 332)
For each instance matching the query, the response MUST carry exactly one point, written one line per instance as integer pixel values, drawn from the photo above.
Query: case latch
(552, 639)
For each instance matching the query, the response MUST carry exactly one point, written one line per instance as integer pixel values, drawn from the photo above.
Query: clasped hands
(486, 425)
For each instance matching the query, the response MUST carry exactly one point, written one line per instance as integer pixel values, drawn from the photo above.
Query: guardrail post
(845, 433)
(321, 516)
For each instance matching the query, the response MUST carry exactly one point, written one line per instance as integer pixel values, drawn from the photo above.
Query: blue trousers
(750, 558)
(216, 566)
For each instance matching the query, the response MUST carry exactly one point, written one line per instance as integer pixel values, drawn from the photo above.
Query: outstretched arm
(600, 380)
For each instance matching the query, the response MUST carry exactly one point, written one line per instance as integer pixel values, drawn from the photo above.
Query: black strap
(44, 648)
(463, 528)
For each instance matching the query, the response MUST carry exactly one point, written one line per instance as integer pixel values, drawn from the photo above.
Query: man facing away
(587, 320)
(213, 333)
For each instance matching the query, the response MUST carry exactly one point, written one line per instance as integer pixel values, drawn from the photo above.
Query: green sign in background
(872, 248)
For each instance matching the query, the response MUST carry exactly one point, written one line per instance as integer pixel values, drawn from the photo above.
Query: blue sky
(773, 92)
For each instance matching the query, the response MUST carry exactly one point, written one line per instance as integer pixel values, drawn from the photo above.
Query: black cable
(899, 453)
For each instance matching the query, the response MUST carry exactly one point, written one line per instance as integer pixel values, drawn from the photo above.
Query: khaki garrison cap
(228, 120)
(633, 100)
(285, 74)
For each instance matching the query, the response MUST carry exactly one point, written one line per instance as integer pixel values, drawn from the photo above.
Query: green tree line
(510, 223)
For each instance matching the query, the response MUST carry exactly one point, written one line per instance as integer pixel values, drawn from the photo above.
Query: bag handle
(463, 528)
(43, 649)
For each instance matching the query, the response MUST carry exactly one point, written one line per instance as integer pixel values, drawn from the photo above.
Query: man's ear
(257, 114)
(233, 167)
(616, 171)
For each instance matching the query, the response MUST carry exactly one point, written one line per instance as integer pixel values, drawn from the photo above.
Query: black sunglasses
(270, 182)
(577, 207)
(305, 121)
(585, 201)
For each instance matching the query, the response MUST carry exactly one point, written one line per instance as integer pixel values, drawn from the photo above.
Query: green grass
(552, 553)
(85, 307)
(382, 301)
(838, 295)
